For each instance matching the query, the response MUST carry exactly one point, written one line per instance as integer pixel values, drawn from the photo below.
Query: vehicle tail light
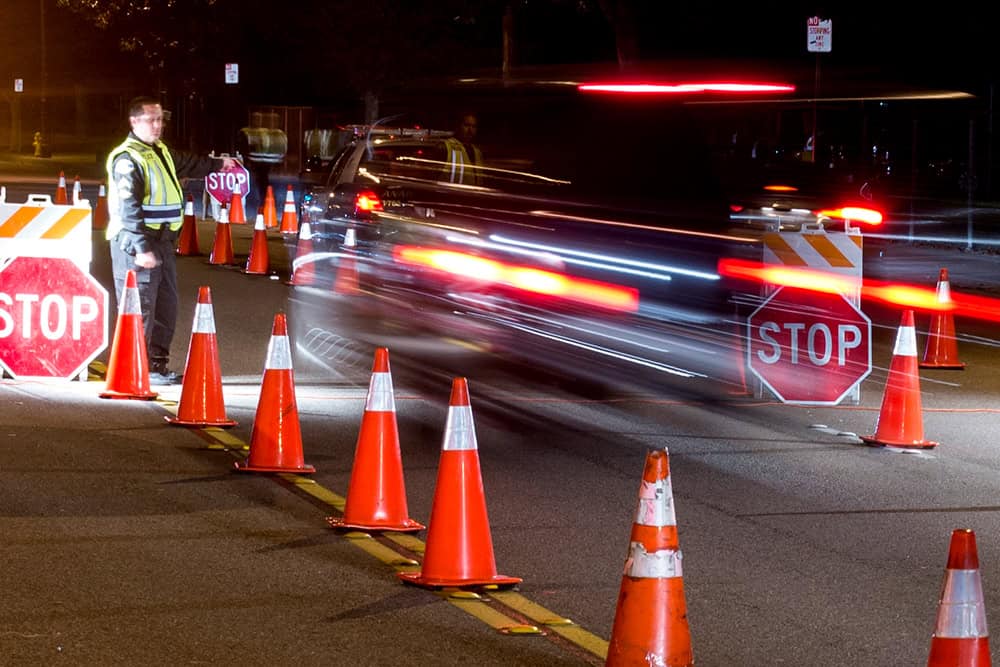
(365, 203)
(658, 88)
(853, 213)
(524, 278)
(919, 297)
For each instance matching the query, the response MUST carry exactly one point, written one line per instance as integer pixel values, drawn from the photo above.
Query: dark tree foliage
(321, 50)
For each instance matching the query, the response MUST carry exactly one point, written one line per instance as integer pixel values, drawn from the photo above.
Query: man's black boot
(160, 376)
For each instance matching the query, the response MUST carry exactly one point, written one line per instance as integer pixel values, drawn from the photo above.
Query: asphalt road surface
(128, 541)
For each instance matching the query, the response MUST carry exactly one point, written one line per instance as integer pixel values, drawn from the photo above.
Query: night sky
(297, 66)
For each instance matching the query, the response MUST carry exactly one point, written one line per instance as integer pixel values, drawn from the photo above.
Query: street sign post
(53, 320)
(819, 35)
(221, 185)
(809, 347)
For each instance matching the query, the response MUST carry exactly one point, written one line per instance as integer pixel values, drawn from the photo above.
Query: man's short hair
(136, 104)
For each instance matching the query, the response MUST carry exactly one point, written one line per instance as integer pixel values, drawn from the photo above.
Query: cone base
(417, 579)
(956, 366)
(176, 421)
(245, 467)
(250, 272)
(126, 395)
(875, 442)
(407, 526)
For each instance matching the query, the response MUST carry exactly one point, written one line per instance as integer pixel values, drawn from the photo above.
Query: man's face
(467, 130)
(148, 125)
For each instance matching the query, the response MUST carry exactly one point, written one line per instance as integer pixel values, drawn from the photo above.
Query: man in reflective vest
(464, 159)
(146, 211)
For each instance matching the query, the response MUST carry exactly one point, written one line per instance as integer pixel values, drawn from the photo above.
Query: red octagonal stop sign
(221, 185)
(809, 347)
(52, 318)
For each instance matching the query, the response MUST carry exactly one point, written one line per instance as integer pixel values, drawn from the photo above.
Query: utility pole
(41, 138)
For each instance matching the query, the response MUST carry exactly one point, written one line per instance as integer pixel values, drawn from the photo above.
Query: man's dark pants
(157, 294)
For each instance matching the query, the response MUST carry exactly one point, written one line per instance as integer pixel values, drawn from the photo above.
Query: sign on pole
(809, 347)
(53, 318)
(18, 85)
(232, 73)
(819, 35)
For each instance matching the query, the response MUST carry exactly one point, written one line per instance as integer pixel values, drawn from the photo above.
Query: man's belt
(162, 232)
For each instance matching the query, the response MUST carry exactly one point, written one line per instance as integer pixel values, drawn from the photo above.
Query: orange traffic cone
(942, 348)
(960, 637)
(289, 219)
(61, 197)
(77, 190)
(651, 625)
(258, 260)
(187, 244)
(346, 281)
(459, 548)
(304, 264)
(376, 498)
(270, 209)
(900, 423)
(128, 363)
(101, 208)
(201, 401)
(276, 437)
(222, 248)
(237, 216)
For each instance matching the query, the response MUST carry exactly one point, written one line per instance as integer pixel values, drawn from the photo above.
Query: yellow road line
(558, 624)
(474, 605)
(471, 603)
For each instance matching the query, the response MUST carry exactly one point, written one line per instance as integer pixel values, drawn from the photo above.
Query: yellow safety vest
(460, 166)
(163, 201)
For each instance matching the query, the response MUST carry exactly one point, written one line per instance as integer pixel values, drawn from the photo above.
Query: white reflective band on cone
(204, 319)
(131, 304)
(380, 397)
(662, 564)
(961, 614)
(279, 354)
(906, 343)
(459, 431)
(944, 292)
(656, 504)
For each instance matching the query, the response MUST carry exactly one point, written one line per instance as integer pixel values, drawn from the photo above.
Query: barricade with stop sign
(53, 313)
(812, 249)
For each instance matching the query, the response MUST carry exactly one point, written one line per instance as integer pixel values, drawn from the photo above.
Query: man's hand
(146, 260)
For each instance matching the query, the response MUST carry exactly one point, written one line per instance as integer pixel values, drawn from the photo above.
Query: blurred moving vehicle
(589, 237)
(587, 240)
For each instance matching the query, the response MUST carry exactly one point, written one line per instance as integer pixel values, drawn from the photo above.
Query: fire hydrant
(41, 148)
